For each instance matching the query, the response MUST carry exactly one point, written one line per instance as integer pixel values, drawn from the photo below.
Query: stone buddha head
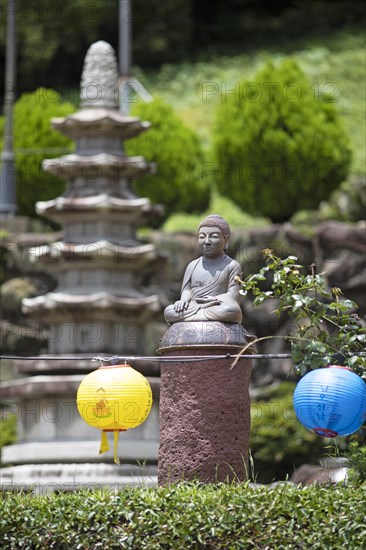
(213, 236)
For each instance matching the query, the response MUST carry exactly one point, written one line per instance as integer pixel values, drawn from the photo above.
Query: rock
(308, 474)
(339, 236)
(346, 269)
(331, 470)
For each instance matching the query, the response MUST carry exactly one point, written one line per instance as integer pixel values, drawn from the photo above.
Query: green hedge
(188, 516)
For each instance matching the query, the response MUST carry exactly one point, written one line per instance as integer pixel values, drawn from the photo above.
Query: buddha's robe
(221, 289)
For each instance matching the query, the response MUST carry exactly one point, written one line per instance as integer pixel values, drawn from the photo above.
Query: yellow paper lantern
(114, 399)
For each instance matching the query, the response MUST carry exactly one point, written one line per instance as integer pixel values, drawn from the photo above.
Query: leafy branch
(328, 327)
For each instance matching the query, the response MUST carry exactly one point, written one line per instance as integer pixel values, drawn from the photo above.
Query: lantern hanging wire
(154, 358)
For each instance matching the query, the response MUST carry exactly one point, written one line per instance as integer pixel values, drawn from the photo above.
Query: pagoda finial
(99, 81)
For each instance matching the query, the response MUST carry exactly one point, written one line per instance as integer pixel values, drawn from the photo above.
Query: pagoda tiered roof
(69, 206)
(101, 121)
(136, 254)
(101, 165)
(54, 305)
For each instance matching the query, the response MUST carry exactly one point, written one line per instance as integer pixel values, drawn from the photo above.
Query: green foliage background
(176, 148)
(331, 62)
(53, 36)
(279, 146)
(8, 429)
(33, 131)
(279, 443)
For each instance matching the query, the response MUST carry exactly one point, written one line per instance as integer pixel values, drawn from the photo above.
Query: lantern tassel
(104, 443)
(115, 455)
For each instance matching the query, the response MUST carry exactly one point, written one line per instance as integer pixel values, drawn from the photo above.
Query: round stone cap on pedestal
(190, 335)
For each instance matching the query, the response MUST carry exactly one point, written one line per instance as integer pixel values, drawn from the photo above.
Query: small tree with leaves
(328, 328)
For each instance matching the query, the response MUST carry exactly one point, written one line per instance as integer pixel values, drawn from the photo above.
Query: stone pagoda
(100, 305)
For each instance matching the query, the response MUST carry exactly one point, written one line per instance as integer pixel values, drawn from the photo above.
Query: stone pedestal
(204, 405)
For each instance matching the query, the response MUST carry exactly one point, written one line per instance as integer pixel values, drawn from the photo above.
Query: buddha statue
(209, 290)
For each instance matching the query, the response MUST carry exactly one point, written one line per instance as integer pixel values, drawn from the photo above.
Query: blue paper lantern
(331, 401)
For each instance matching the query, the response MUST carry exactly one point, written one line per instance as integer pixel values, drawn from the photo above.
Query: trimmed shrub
(178, 183)
(33, 131)
(279, 144)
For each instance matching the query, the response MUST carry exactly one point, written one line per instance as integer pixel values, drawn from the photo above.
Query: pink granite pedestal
(204, 405)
